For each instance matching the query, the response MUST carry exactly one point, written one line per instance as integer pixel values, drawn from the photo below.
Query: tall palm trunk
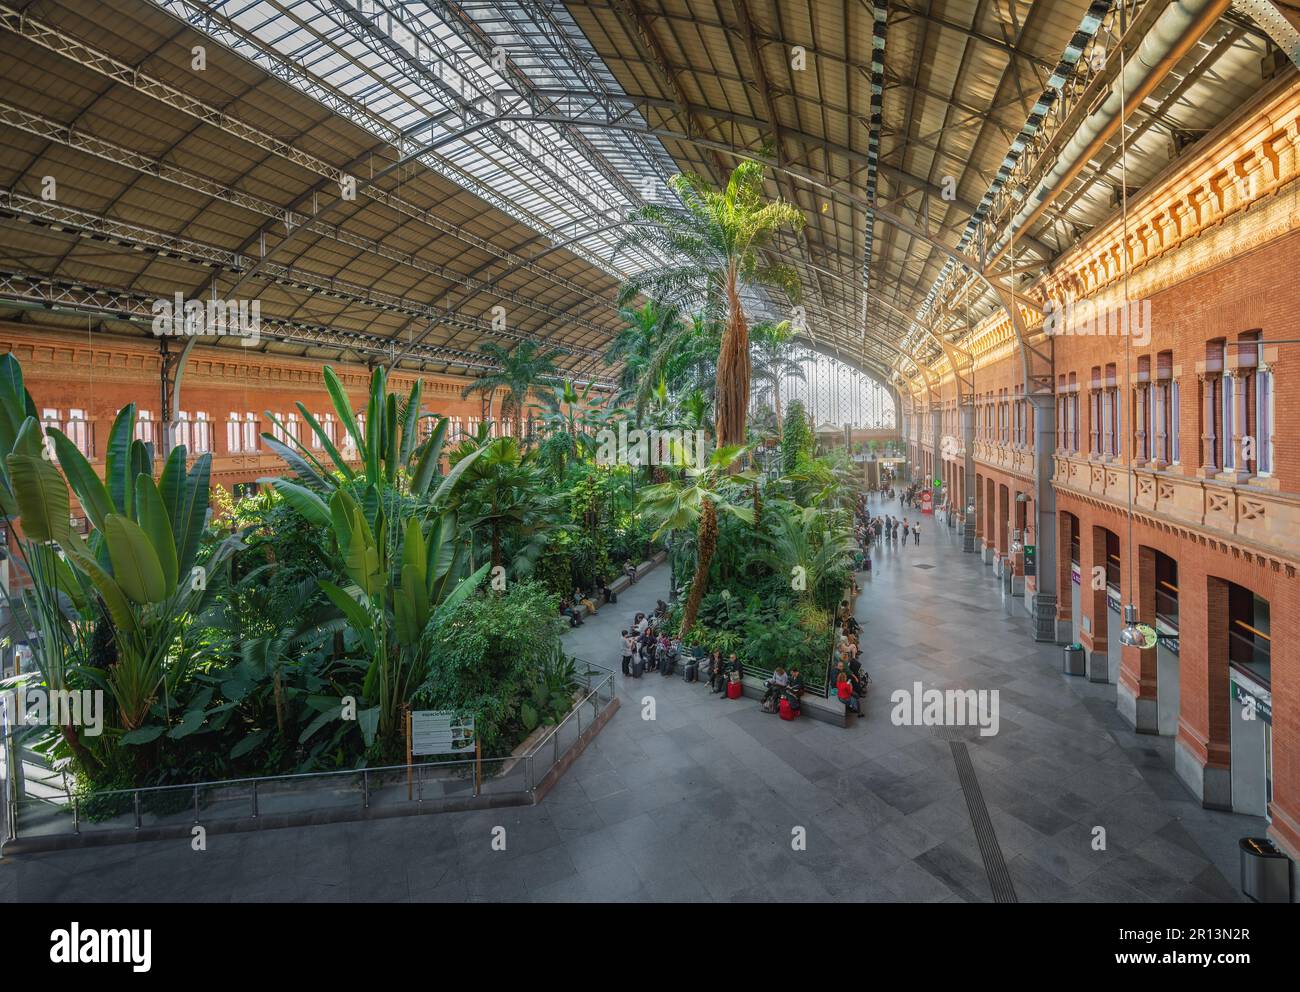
(707, 544)
(733, 371)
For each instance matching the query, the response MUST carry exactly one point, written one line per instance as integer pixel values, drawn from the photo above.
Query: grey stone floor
(700, 804)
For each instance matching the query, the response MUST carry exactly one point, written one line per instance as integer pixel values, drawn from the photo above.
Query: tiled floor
(703, 802)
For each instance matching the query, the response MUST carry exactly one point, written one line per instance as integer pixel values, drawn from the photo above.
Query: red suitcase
(734, 690)
(787, 711)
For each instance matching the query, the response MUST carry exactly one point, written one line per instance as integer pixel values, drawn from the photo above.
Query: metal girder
(72, 220)
(1132, 101)
(66, 296)
(971, 33)
(131, 77)
(53, 131)
(827, 187)
(291, 219)
(1280, 20)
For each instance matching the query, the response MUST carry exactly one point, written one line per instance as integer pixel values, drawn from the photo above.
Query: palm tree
(505, 495)
(521, 369)
(807, 538)
(772, 362)
(693, 501)
(714, 246)
(637, 346)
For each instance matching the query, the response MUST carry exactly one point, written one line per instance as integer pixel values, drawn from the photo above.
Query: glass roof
(423, 77)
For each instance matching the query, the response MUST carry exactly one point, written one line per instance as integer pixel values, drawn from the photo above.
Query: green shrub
(486, 657)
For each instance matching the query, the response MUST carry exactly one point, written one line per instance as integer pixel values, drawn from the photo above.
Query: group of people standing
(888, 528)
(647, 646)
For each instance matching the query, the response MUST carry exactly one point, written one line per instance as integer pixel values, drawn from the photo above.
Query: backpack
(844, 690)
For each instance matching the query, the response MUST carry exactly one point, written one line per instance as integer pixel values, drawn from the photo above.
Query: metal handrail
(136, 811)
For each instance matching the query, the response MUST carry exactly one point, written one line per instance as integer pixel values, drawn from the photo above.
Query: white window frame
(1227, 395)
(1264, 423)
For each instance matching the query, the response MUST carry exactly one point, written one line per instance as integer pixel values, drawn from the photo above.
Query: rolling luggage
(734, 690)
(690, 670)
(788, 712)
(638, 667)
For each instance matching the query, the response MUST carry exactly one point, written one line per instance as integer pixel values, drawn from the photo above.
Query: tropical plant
(394, 592)
(714, 249)
(402, 556)
(803, 543)
(773, 364)
(797, 438)
(139, 558)
(388, 447)
(523, 368)
(491, 650)
(692, 502)
(504, 494)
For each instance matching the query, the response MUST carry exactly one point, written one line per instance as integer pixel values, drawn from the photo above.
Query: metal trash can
(1074, 663)
(1265, 871)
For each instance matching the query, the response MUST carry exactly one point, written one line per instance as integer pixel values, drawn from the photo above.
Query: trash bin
(1265, 871)
(1074, 662)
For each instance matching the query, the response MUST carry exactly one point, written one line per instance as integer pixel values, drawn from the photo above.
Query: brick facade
(1217, 261)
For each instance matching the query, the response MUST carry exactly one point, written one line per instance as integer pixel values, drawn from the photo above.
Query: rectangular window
(1264, 422)
(144, 431)
(202, 434)
(234, 436)
(251, 432)
(1228, 383)
(1173, 421)
(1117, 419)
(78, 431)
(1107, 421)
(1094, 422)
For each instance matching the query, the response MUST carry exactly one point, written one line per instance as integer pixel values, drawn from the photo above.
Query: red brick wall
(101, 374)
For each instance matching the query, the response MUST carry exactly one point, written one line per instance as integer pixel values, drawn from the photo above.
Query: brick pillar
(1161, 398)
(1208, 464)
(1064, 596)
(1136, 696)
(990, 520)
(1004, 514)
(1285, 807)
(1093, 629)
(1201, 752)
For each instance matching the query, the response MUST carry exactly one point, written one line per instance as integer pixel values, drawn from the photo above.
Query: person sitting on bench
(669, 651)
(575, 616)
(844, 692)
(795, 686)
(776, 685)
(717, 673)
(629, 569)
(582, 599)
(732, 671)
